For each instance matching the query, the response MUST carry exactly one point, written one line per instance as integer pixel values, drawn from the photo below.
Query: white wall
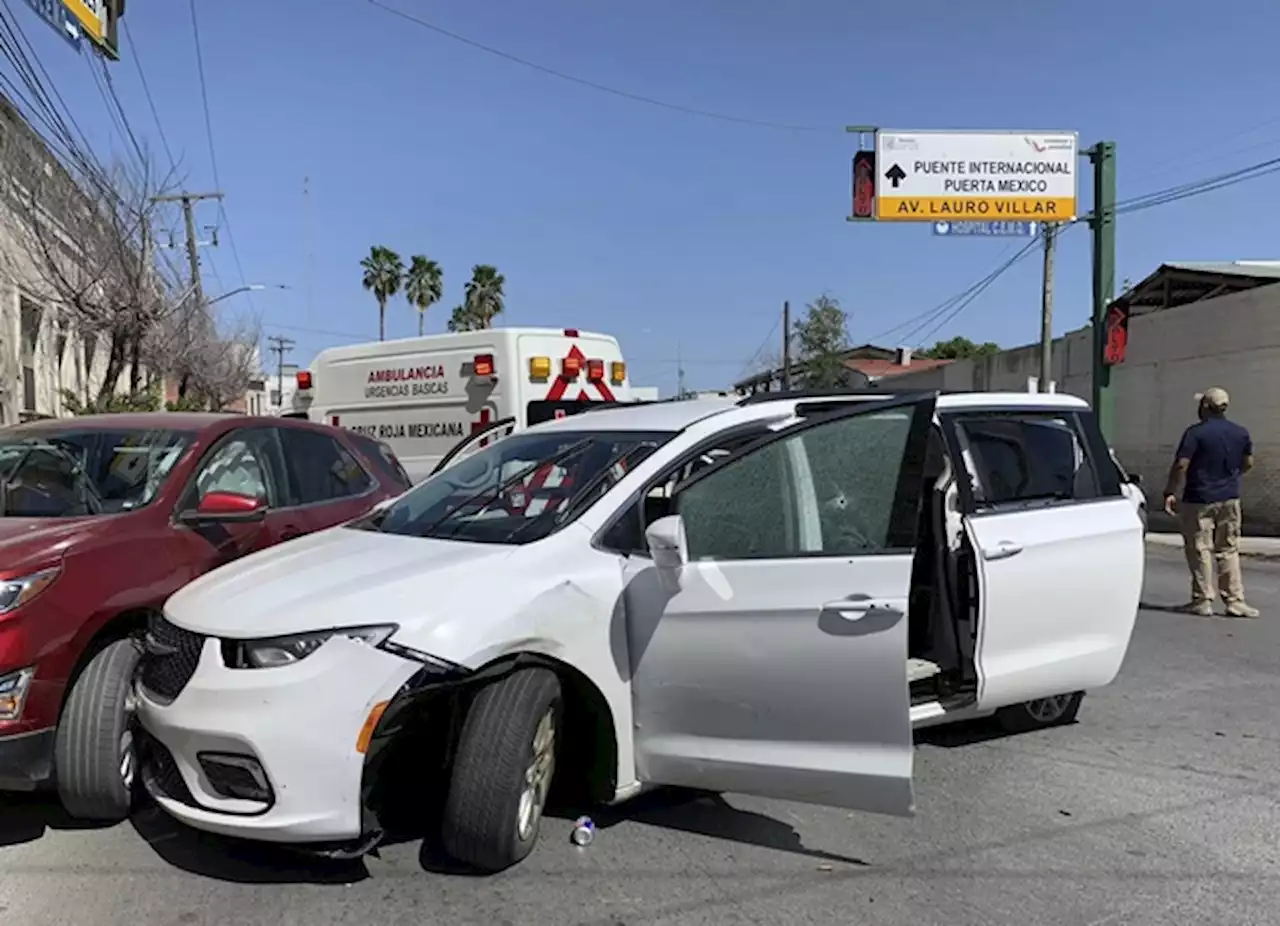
(1232, 342)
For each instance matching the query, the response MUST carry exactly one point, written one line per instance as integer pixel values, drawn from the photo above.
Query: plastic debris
(584, 832)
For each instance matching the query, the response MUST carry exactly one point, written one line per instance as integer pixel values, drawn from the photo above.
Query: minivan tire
(1036, 715)
(94, 735)
(493, 812)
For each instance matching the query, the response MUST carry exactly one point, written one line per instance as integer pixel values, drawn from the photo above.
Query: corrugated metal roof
(1267, 269)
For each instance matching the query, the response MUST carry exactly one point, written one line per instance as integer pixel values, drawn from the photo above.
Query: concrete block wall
(1232, 341)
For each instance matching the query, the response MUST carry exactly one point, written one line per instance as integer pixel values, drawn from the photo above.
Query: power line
(146, 89)
(975, 291)
(213, 154)
(115, 109)
(12, 42)
(584, 82)
(746, 368)
(933, 320)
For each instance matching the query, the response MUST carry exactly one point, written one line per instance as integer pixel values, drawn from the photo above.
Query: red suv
(103, 518)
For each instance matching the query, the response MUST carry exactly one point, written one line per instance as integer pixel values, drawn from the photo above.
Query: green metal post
(1103, 224)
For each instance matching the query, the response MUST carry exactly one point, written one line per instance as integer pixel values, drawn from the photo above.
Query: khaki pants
(1211, 535)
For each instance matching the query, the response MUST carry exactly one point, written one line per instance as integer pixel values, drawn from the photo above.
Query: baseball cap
(1214, 397)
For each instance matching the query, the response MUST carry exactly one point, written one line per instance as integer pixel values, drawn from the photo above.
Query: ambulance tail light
(482, 364)
(595, 371)
(571, 332)
(571, 366)
(304, 379)
(618, 372)
(540, 367)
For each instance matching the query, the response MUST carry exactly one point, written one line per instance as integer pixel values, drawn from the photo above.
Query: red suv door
(245, 461)
(328, 483)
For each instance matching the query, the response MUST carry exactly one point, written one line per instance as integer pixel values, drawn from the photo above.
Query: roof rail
(873, 393)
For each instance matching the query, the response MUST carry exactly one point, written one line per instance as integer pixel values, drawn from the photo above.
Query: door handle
(857, 610)
(290, 533)
(1002, 550)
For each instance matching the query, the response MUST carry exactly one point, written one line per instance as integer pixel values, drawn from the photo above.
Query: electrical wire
(213, 154)
(746, 367)
(933, 320)
(115, 109)
(146, 89)
(594, 85)
(975, 291)
(15, 47)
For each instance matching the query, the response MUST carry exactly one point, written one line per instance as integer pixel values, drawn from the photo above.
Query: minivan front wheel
(502, 770)
(95, 758)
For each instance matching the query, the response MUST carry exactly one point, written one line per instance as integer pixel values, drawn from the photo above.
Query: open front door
(770, 656)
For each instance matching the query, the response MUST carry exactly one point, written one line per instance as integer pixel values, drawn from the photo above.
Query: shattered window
(828, 490)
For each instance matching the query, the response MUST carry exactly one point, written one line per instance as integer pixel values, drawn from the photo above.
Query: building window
(30, 341)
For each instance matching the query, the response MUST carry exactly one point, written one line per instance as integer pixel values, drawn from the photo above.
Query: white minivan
(762, 596)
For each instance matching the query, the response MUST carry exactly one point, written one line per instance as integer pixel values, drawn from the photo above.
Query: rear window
(1022, 458)
(380, 455)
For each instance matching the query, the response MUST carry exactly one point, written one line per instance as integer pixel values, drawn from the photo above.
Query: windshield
(518, 490)
(73, 473)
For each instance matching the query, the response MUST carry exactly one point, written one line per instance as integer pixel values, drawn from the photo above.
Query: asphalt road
(1159, 806)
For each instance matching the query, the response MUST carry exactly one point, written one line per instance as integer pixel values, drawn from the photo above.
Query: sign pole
(1103, 225)
(1049, 233)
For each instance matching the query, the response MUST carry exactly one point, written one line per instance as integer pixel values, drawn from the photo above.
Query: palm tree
(383, 273)
(423, 285)
(483, 297)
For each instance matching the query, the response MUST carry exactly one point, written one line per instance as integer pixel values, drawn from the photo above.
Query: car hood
(342, 577)
(24, 540)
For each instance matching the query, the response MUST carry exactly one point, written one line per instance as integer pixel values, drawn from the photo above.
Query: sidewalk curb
(1264, 548)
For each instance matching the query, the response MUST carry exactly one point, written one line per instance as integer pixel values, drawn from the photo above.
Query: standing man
(1204, 491)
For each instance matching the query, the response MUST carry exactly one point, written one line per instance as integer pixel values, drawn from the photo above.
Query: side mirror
(226, 507)
(667, 542)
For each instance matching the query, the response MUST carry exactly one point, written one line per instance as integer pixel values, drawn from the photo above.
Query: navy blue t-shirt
(1216, 448)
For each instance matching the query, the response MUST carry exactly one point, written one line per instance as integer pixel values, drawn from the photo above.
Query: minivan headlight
(14, 593)
(282, 651)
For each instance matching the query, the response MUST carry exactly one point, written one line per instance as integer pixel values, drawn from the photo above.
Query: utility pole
(1049, 236)
(679, 373)
(280, 345)
(786, 346)
(188, 215)
(1103, 225)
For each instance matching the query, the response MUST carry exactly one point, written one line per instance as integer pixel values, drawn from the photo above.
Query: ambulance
(423, 396)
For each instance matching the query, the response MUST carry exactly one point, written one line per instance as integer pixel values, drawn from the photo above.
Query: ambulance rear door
(560, 368)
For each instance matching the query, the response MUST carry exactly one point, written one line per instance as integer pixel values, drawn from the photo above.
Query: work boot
(1240, 609)
(1198, 608)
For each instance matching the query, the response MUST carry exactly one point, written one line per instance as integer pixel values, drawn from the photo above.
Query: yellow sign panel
(92, 17)
(975, 209)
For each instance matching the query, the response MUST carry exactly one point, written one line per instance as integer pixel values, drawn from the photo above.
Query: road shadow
(704, 814)
(1179, 609)
(968, 733)
(235, 860)
(27, 817)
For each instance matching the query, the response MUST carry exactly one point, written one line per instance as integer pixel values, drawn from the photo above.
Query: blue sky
(678, 233)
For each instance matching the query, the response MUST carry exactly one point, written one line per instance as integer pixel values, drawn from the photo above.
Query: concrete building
(41, 351)
(1191, 326)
